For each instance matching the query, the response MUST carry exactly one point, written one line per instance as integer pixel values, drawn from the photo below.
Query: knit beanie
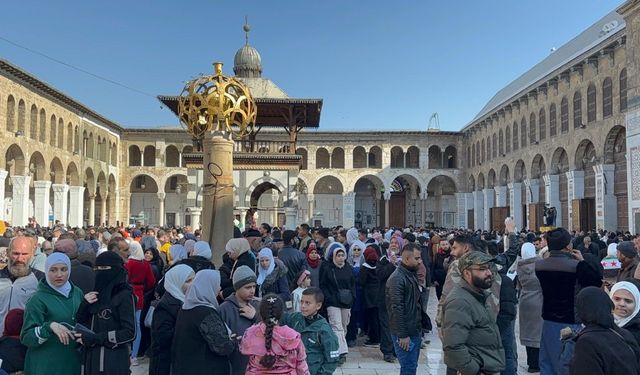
(558, 239)
(242, 276)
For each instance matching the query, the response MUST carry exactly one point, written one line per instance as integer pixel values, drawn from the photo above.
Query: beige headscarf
(237, 246)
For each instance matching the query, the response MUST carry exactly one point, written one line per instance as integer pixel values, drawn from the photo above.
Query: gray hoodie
(230, 312)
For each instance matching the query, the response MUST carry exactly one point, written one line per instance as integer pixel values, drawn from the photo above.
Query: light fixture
(582, 126)
(19, 133)
(143, 186)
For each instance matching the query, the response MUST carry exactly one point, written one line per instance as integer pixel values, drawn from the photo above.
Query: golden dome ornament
(217, 103)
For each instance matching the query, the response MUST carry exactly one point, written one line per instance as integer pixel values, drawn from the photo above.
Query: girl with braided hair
(273, 349)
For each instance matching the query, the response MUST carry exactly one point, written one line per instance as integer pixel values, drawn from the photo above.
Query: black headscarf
(108, 281)
(593, 307)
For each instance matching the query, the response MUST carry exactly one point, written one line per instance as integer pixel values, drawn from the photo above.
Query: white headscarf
(175, 278)
(612, 250)
(631, 288)
(136, 251)
(262, 273)
(202, 248)
(528, 251)
(52, 260)
(352, 235)
(356, 262)
(204, 290)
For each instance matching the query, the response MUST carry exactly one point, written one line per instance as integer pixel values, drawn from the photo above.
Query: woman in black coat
(176, 281)
(370, 286)
(108, 312)
(202, 343)
(602, 348)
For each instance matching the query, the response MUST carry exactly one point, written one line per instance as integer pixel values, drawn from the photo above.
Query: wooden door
(575, 214)
(397, 211)
(497, 215)
(536, 216)
(584, 214)
(470, 220)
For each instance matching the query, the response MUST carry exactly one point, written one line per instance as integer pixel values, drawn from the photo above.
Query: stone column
(387, 198)
(76, 206)
(60, 202)
(489, 202)
(290, 214)
(196, 212)
(461, 205)
(217, 193)
(501, 196)
(423, 207)
(311, 199)
(41, 202)
(552, 192)
(478, 209)
(103, 208)
(3, 177)
(92, 210)
(20, 200)
(348, 160)
(606, 201)
(275, 197)
(534, 190)
(575, 190)
(469, 203)
(348, 209)
(515, 203)
(161, 214)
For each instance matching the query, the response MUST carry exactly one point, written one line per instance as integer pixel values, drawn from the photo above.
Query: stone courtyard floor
(368, 361)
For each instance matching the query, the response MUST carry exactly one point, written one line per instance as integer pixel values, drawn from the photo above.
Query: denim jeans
(136, 341)
(408, 360)
(550, 345)
(507, 335)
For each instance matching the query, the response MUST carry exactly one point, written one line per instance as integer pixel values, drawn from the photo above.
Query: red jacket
(140, 278)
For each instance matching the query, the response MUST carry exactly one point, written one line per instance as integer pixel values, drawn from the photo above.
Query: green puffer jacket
(320, 342)
(471, 340)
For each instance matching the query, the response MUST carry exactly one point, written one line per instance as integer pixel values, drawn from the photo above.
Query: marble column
(552, 193)
(606, 201)
(501, 196)
(478, 209)
(311, 200)
(533, 190)
(515, 203)
(76, 206)
(196, 212)
(161, 214)
(461, 210)
(290, 214)
(489, 203)
(3, 177)
(60, 202)
(92, 210)
(387, 198)
(20, 200)
(469, 204)
(103, 208)
(348, 209)
(575, 190)
(423, 207)
(41, 203)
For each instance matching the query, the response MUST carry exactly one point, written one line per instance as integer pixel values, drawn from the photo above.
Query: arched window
(21, 116)
(70, 140)
(33, 123)
(564, 115)
(483, 152)
(515, 136)
(473, 155)
(412, 157)
(397, 157)
(53, 133)
(591, 103)
(500, 143)
(468, 157)
(553, 120)
(375, 157)
(42, 133)
(322, 158)
(577, 109)
(488, 148)
(507, 140)
(303, 162)
(523, 133)
(607, 97)
(359, 157)
(532, 128)
(60, 133)
(542, 125)
(337, 158)
(11, 114)
(148, 157)
(494, 145)
(623, 90)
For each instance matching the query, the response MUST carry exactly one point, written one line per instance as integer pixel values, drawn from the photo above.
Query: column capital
(551, 178)
(60, 188)
(604, 168)
(161, 196)
(387, 195)
(42, 184)
(92, 197)
(424, 195)
(349, 194)
(76, 189)
(576, 173)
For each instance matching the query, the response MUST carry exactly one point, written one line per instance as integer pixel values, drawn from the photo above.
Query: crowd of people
(97, 300)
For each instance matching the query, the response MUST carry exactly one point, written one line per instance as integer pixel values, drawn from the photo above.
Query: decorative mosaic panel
(635, 173)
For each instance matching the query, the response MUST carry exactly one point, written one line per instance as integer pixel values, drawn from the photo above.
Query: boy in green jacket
(320, 343)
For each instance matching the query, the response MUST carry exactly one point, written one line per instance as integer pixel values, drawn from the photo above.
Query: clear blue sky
(377, 64)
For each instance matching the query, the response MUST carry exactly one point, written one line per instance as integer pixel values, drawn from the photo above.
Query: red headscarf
(13, 323)
(370, 255)
(313, 263)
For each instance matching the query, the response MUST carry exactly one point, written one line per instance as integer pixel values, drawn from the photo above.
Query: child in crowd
(303, 280)
(320, 342)
(273, 349)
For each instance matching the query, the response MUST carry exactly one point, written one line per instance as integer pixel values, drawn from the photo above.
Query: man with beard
(471, 342)
(18, 281)
(402, 295)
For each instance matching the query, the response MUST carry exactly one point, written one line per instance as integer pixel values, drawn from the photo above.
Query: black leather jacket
(402, 296)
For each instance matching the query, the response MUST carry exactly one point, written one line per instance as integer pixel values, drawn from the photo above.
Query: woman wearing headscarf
(142, 281)
(626, 305)
(530, 305)
(177, 253)
(152, 256)
(50, 315)
(602, 348)
(336, 280)
(237, 253)
(355, 259)
(200, 257)
(313, 263)
(12, 351)
(176, 283)
(188, 246)
(368, 281)
(272, 276)
(202, 342)
(108, 312)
